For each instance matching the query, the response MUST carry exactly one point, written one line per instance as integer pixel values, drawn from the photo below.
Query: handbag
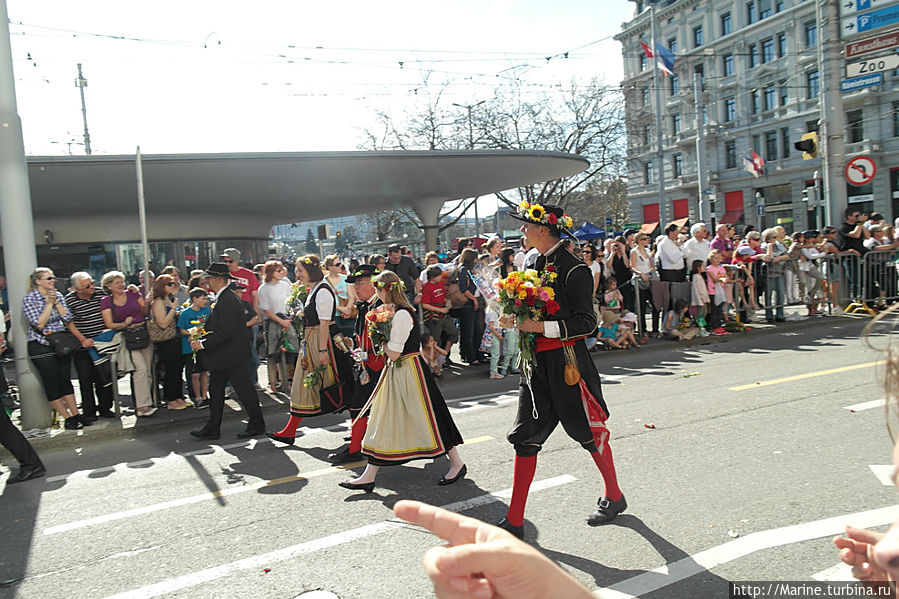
(63, 343)
(158, 334)
(136, 337)
(333, 398)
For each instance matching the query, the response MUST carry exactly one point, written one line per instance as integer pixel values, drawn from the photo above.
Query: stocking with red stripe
(603, 459)
(290, 429)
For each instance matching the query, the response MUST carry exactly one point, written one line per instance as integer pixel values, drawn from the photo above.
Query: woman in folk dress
(316, 350)
(408, 418)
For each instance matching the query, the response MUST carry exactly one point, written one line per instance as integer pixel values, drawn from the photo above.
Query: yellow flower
(522, 294)
(536, 212)
(550, 292)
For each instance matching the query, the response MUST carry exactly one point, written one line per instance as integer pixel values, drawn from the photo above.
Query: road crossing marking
(156, 507)
(867, 405)
(266, 559)
(808, 375)
(884, 473)
(648, 582)
(839, 573)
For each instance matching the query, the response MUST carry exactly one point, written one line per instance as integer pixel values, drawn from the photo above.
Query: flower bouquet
(528, 295)
(197, 331)
(314, 378)
(378, 322)
(296, 304)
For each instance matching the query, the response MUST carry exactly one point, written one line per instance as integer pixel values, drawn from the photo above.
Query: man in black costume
(547, 398)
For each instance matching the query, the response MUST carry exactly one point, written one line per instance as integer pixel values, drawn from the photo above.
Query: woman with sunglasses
(46, 311)
(163, 311)
(346, 299)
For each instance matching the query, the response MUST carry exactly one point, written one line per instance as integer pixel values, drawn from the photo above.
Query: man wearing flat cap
(225, 354)
(372, 364)
(547, 398)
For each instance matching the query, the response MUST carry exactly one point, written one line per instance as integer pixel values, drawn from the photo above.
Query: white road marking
(266, 559)
(663, 576)
(877, 403)
(884, 473)
(491, 400)
(839, 573)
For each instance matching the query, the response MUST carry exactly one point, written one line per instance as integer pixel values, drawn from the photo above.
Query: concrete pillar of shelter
(17, 228)
(428, 210)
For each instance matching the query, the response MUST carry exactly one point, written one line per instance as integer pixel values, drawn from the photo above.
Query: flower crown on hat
(538, 214)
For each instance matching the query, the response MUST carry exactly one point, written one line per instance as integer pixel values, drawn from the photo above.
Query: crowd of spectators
(689, 282)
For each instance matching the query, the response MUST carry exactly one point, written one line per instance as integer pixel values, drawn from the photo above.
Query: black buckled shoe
(517, 531)
(345, 457)
(282, 439)
(607, 511)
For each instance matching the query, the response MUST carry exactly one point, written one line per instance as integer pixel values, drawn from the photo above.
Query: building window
(811, 34)
(812, 84)
(677, 165)
(730, 154)
(700, 70)
(750, 12)
(672, 45)
(728, 62)
(783, 92)
(647, 134)
(753, 55)
(647, 173)
(785, 141)
(771, 145)
(643, 61)
(778, 5)
(727, 25)
(675, 85)
(767, 50)
(730, 109)
(756, 143)
(769, 97)
(895, 119)
(754, 101)
(855, 126)
(675, 124)
(811, 126)
(764, 9)
(646, 96)
(781, 45)
(697, 36)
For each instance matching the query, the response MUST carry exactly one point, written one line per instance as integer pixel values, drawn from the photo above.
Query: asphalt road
(749, 436)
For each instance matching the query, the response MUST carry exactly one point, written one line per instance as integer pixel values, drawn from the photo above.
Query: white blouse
(400, 328)
(324, 303)
(273, 296)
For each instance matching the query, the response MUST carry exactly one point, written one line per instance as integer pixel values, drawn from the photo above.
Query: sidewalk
(276, 405)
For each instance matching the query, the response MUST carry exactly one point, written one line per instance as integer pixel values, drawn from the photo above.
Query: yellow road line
(809, 375)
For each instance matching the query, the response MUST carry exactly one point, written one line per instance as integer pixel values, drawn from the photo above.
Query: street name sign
(857, 83)
(887, 41)
(870, 21)
(872, 65)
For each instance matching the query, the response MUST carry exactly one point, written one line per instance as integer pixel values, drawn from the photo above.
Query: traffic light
(808, 145)
(338, 234)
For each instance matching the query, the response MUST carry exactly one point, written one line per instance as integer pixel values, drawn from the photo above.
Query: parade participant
(317, 359)
(225, 356)
(408, 417)
(544, 400)
(372, 363)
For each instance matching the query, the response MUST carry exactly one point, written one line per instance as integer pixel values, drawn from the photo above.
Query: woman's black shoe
(73, 423)
(282, 439)
(367, 487)
(517, 531)
(448, 481)
(86, 420)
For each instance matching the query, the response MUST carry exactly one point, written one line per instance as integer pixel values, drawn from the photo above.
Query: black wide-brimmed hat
(547, 215)
(363, 270)
(218, 269)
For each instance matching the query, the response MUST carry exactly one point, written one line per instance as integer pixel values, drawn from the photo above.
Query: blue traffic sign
(856, 83)
(876, 19)
(760, 209)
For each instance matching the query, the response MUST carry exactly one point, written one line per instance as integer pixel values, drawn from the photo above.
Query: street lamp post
(470, 107)
(81, 83)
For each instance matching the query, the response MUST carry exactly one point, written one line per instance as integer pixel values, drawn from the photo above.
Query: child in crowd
(196, 373)
(436, 306)
(613, 334)
(718, 281)
(494, 333)
(434, 356)
(678, 324)
(699, 304)
(612, 298)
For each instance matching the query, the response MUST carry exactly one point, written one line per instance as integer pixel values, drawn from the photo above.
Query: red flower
(518, 302)
(552, 218)
(531, 300)
(550, 268)
(551, 306)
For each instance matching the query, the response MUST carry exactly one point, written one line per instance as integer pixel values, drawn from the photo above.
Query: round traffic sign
(860, 171)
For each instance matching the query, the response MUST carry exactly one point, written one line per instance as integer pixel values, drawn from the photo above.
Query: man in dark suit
(225, 354)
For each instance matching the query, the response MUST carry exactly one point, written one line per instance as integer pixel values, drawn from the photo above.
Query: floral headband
(308, 261)
(538, 214)
(386, 285)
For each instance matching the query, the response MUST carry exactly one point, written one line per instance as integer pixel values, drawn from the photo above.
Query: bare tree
(600, 200)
